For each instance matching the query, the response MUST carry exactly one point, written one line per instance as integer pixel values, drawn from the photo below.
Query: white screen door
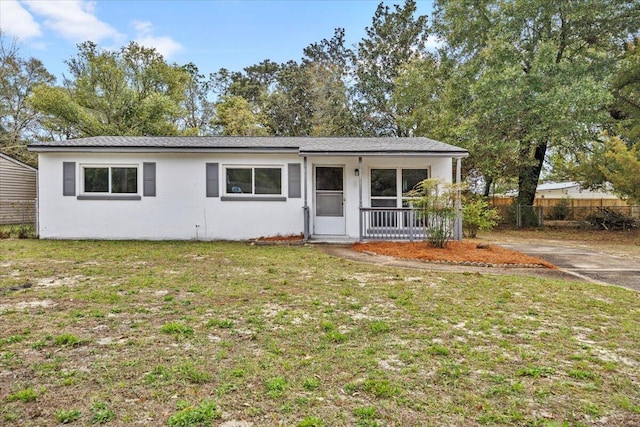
(329, 200)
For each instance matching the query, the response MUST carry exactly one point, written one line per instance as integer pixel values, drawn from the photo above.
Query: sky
(210, 33)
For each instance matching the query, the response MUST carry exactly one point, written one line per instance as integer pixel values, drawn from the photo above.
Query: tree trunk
(528, 182)
(487, 187)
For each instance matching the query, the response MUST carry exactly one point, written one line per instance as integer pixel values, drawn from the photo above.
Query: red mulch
(455, 252)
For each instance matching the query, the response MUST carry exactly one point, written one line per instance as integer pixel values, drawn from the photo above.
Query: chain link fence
(563, 214)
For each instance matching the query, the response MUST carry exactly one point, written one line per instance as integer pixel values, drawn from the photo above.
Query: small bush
(477, 216)
(562, 209)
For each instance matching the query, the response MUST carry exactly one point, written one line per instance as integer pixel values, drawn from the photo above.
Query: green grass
(180, 333)
(66, 416)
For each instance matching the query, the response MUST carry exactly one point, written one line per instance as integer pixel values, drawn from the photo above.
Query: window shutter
(212, 180)
(295, 188)
(68, 178)
(149, 179)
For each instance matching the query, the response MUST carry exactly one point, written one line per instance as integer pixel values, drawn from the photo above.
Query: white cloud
(74, 20)
(165, 45)
(16, 21)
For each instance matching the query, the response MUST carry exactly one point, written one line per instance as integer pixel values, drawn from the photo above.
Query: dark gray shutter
(149, 179)
(295, 187)
(68, 178)
(212, 180)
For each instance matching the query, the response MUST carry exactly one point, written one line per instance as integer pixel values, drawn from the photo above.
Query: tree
(235, 116)
(626, 94)
(621, 168)
(199, 109)
(132, 91)
(436, 204)
(328, 66)
(19, 123)
(395, 38)
(537, 74)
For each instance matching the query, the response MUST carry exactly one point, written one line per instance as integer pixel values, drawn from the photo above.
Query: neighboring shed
(573, 190)
(17, 191)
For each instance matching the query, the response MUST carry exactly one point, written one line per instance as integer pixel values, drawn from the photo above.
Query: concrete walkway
(573, 264)
(585, 264)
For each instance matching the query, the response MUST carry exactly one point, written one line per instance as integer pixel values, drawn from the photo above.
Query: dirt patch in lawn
(467, 253)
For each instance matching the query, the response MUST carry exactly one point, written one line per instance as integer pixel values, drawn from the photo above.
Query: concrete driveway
(573, 263)
(586, 264)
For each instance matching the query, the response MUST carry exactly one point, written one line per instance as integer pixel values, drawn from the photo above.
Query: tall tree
(235, 117)
(19, 123)
(328, 65)
(396, 37)
(537, 73)
(132, 91)
(199, 107)
(626, 94)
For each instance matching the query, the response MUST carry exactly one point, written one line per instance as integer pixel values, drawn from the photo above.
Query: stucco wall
(180, 209)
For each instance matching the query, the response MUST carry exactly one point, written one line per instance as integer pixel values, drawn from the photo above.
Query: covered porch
(369, 193)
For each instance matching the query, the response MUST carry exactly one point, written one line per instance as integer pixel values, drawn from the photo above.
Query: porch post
(360, 196)
(305, 208)
(457, 228)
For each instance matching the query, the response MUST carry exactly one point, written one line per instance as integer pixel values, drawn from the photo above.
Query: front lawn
(190, 333)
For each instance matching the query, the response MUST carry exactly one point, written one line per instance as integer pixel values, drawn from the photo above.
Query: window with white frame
(116, 179)
(390, 186)
(253, 180)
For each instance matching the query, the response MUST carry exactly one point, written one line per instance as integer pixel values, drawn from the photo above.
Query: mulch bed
(456, 253)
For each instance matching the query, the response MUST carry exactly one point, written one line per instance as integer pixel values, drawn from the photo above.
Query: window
(260, 181)
(110, 179)
(389, 186)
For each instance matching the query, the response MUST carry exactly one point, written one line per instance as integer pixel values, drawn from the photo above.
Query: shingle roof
(303, 145)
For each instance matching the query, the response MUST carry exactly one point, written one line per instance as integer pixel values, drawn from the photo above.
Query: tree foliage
(132, 91)
(436, 204)
(395, 37)
(536, 73)
(236, 118)
(19, 123)
(198, 105)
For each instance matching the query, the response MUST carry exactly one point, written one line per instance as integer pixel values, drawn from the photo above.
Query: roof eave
(118, 149)
(389, 153)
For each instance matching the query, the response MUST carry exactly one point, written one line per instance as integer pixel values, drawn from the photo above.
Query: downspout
(360, 225)
(457, 231)
(305, 208)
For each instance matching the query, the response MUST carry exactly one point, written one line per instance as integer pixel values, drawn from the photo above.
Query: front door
(328, 215)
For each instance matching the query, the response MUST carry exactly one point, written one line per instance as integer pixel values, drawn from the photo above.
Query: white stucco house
(234, 188)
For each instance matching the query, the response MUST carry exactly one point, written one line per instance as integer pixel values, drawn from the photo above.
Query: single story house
(17, 191)
(235, 188)
(570, 189)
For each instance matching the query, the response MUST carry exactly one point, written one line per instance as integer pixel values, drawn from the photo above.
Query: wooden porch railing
(390, 224)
